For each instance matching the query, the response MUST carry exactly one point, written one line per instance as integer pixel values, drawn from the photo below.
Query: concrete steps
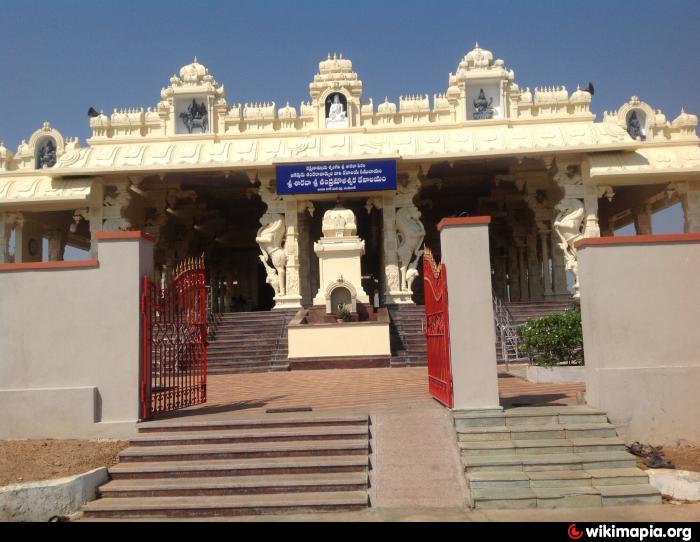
(548, 457)
(408, 344)
(229, 505)
(249, 342)
(236, 485)
(241, 466)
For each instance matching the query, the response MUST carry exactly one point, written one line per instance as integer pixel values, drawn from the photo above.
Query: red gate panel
(437, 329)
(174, 327)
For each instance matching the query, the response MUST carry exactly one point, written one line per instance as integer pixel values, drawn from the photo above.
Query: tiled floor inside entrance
(352, 388)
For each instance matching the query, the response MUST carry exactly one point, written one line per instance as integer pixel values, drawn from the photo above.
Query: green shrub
(554, 339)
(343, 313)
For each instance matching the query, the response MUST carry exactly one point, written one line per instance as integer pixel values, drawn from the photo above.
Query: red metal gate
(174, 320)
(437, 329)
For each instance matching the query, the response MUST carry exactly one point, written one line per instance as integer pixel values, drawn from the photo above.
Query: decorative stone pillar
(391, 279)
(407, 236)
(590, 204)
(499, 273)
(10, 221)
(513, 274)
(306, 212)
(534, 267)
(522, 267)
(689, 193)
(57, 245)
(292, 295)
(559, 284)
(543, 233)
(642, 220)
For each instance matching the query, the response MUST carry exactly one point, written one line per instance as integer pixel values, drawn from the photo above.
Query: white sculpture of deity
(339, 222)
(270, 238)
(337, 116)
(568, 227)
(410, 233)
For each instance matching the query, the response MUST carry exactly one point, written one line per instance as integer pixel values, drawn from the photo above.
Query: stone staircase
(266, 465)
(548, 457)
(249, 342)
(521, 312)
(408, 345)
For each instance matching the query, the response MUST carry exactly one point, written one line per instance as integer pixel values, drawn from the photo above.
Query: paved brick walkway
(354, 388)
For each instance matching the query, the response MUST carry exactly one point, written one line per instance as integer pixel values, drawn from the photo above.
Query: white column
(391, 279)
(465, 252)
(546, 273)
(642, 220)
(6, 225)
(558, 270)
(690, 199)
(292, 296)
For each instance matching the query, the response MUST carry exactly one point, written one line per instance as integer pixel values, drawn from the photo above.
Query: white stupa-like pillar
(339, 252)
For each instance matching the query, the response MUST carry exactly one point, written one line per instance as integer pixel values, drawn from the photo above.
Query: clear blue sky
(59, 57)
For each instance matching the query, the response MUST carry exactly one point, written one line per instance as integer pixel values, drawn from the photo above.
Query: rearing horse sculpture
(270, 238)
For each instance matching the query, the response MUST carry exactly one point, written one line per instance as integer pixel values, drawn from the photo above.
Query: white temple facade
(199, 174)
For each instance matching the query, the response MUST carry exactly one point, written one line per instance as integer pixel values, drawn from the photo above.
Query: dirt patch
(683, 457)
(28, 460)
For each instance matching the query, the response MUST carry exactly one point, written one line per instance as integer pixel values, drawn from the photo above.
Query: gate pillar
(464, 244)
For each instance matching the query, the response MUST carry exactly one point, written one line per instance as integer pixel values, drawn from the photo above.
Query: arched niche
(338, 292)
(38, 142)
(645, 117)
(636, 124)
(336, 111)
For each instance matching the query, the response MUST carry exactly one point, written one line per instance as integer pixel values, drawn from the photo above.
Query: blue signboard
(328, 177)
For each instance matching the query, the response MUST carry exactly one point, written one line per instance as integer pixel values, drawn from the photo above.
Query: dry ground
(683, 457)
(27, 460)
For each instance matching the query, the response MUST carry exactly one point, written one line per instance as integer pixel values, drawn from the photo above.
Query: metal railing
(506, 331)
(213, 312)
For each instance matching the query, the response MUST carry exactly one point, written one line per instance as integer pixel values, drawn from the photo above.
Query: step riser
(224, 427)
(501, 484)
(572, 501)
(620, 480)
(235, 472)
(241, 455)
(502, 504)
(562, 482)
(613, 464)
(248, 440)
(212, 492)
(224, 512)
(564, 449)
(626, 501)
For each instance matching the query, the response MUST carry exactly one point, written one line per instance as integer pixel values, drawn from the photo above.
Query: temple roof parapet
(483, 111)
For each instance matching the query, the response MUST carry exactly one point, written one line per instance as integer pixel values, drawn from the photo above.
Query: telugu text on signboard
(336, 177)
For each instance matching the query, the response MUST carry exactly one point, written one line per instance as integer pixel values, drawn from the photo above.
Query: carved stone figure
(47, 155)
(339, 222)
(410, 232)
(196, 116)
(482, 106)
(568, 227)
(336, 111)
(270, 238)
(337, 116)
(634, 128)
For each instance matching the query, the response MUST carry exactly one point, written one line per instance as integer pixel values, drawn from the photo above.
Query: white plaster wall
(640, 306)
(345, 339)
(465, 252)
(70, 346)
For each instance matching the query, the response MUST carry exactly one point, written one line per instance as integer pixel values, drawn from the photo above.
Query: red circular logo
(573, 532)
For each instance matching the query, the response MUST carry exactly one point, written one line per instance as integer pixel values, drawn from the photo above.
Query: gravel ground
(28, 460)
